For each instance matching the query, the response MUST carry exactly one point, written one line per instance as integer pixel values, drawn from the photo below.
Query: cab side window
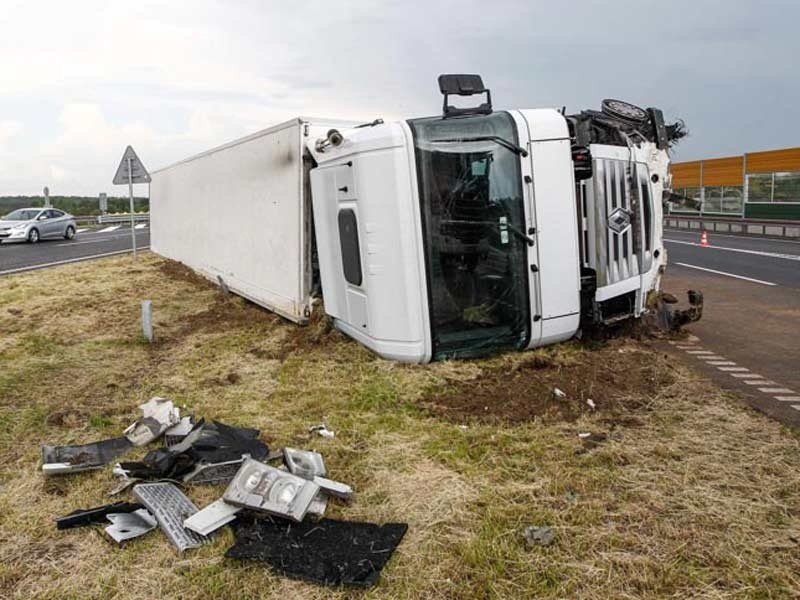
(351, 252)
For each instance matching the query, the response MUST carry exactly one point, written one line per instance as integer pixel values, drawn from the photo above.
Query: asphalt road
(88, 244)
(749, 337)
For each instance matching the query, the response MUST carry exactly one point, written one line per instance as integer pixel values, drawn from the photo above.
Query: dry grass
(692, 496)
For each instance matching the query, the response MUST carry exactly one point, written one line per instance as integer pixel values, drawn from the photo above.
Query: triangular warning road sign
(138, 173)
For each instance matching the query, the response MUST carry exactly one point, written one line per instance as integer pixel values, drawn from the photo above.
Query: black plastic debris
(87, 516)
(72, 459)
(206, 444)
(329, 552)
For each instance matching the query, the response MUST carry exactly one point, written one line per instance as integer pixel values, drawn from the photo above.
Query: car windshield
(22, 214)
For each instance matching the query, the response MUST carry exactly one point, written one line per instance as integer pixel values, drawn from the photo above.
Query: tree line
(75, 205)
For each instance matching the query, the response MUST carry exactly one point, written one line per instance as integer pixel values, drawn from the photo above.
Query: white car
(34, 224)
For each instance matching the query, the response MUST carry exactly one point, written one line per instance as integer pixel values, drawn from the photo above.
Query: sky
(81, 80)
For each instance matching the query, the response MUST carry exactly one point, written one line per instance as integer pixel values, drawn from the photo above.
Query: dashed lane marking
(80, 230)
(787, 398)
(107, 229)
(140, 226)
(743, 374)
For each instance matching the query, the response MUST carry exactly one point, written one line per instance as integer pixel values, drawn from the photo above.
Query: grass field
(690, 495)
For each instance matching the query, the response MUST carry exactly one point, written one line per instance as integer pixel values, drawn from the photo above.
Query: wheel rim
(34, 236)
(70, 233)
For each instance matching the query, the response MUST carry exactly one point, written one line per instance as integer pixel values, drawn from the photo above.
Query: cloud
(173, 78)
(8, 129)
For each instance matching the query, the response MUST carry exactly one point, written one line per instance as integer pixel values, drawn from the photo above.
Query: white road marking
(726, 274)
(699, 352)
(107, 229)
(742, 250)
(759, 381)
(140, 226)
(787, 398)
(80, 230)
(741, 375)
(64, 262)
(775, 390)
(686, 347)
(712, 358)
(733, 369)
(722, 363)
(796, 406)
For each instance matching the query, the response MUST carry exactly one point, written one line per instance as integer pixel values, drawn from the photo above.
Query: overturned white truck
(440, 237)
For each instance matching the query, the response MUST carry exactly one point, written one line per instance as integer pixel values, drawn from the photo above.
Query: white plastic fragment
(322, 430)
(584, 435)
(147, 320)
(126, 526)
(212, 517)
(158, 415)
(559, 393)
(591, 404)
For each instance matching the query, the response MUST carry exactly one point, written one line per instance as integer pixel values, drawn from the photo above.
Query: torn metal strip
(57, 460)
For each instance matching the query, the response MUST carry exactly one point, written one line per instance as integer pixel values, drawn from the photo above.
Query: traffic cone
(704, 239)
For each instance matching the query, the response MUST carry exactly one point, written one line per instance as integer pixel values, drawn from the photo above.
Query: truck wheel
(33, 235)
(70, 233)
(624, 111)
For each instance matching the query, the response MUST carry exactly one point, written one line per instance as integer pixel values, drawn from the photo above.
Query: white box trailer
(240, 214)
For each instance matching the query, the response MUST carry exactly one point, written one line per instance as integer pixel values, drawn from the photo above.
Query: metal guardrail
(777, 229)
(123, 218)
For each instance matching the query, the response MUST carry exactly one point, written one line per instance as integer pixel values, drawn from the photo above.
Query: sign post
(46, 192)
(103, 203)
(130, 171)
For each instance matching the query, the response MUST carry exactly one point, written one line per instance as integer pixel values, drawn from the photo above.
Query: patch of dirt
(616, 377)
(180, 272)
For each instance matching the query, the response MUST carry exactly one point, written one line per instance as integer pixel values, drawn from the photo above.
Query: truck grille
(616, 211)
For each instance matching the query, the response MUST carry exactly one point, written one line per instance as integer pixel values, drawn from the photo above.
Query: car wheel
(33, 236)
(70, 233)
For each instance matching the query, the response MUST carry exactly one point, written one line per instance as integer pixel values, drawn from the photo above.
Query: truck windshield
(473, 222)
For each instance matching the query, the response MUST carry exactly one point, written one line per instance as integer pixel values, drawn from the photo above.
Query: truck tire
(69, 233)
(33, 236)
(624, 111)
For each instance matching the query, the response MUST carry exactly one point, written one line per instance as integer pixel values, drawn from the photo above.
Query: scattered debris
(263, 488)
(57, 460)
(170, 507)
(571, 496)
(126, 526)
(175, 434)
(159, 414)
(212, 517)
(538, 536)
(591, 441)
(87, 516)
(591, 404)
(210, 453)
(304, 463)
(559, 393)
(322, 430)
(316, 549)
(329, 552)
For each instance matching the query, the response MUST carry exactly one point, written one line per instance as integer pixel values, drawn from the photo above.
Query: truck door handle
(343, 189)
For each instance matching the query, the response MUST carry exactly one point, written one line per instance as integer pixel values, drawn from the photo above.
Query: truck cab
(479, 231)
